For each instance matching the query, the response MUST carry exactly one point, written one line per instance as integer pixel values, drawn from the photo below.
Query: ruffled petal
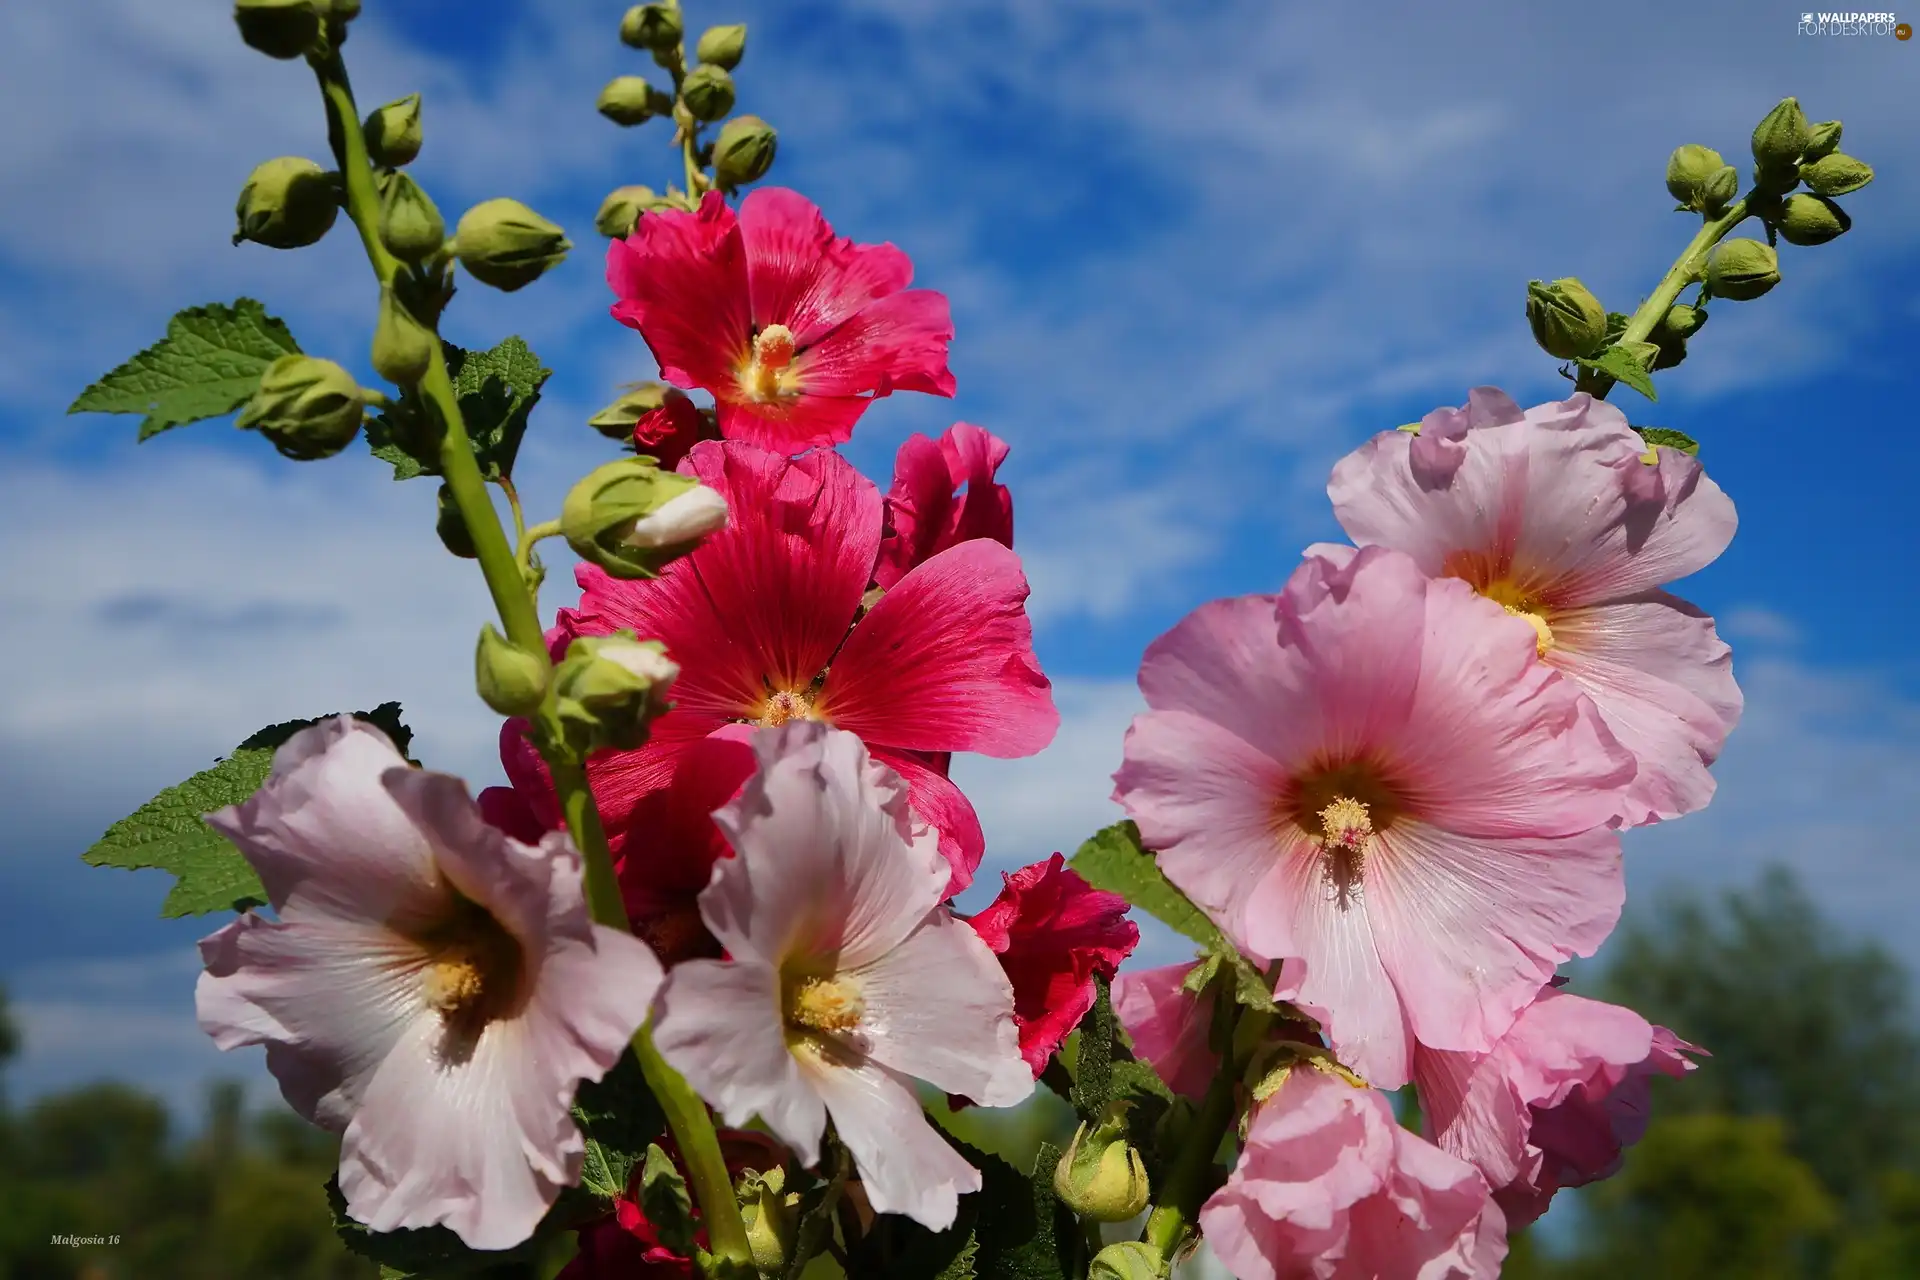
(926, 514)
(682, 282)
(898, 343)
(804, 276)
(791, 424)
(1223, 663)
(905, 1166)
(939, 802)
(944, 662)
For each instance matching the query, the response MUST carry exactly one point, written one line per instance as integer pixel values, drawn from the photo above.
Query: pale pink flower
(1556, 1102)
(1374, 773)
(1168, 1026)
(1555, 515)
(1328, 1186)
(846, 976)
(432, 988)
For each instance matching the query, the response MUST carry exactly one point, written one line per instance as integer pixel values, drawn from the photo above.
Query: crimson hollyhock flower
(666, 433)
(943, 662)
(1053, 933)
(793, 329)
(927, 513)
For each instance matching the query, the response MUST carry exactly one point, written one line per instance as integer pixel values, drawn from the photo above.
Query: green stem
(692, 1126)
(531, 535)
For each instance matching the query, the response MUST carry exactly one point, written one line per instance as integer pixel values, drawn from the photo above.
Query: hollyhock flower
(1053, 933)
(1554, 514)
(1329, 1186)
(765, 620)
(666, 433)
(1374, 773)
(927, 513)
(1556, 1101)
(793, 329)
(846, 976)
(432, 988)
(1168, 1026)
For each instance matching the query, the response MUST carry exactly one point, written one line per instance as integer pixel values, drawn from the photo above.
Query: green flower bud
(1567, 321)
(1807, 220)
(1741, 270)
(609, 689)
(652, 26)
(511, 680)
(744, 151)
(452, 526)
(1782, 136)
(630, 100)
(287, 203)
(1823, 139)
(765, 1207)
(1100, 1176)
(1836, 175)
(622, 209)
(1775, 179)
(723, 46)
(410, 225)
(615, 422)
(1681, 321)
(308, 408)
(507, 245)
(278, 28)
(1719, 190)
(1689, 168)
(632, 519)
(402, 346)
(708, 92)
(393, 132)
(1128, 1260)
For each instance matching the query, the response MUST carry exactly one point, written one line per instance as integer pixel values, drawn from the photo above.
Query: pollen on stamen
(1346, 830)
(769, 363)
(1522, 606)
(784, 705)
(453, 983)
(823, 1004)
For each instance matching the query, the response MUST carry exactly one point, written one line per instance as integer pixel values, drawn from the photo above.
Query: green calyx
(451, 526)
(410, 224)
(308, 408)
(768, 1210)
(722, 46)
(620, 211)
(1128, 1260)
(505, 244)
(282, 29)
(287, 203)
(1700, 180)
(630, 100)
(616, 421)
(633, 519)
(608, 690)
(510, 680)
(744, 151)
(707, 91)
(1741, 270)
(1101, 1176)
(1810, 220)
(1781, 137)
(1836, 174)
(402, 346)
(1567, 320)
(655, 27)
(1823, 139)
(393, 132)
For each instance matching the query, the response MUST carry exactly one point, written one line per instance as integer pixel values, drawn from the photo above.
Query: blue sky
(1195, 254)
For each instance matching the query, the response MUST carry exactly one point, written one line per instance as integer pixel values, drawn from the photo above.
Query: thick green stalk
(691, 1124)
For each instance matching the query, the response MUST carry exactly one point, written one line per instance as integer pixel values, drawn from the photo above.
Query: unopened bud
(393, 132)
(1567, 321)
(652, 26)
(630, 100)
(511, 680)
(1775, 179)
(615, 422)
(1782, 136)
(1100, 1176)
(308, 408)
(402, 346)
(1823, 139)
(287, 203)
(1689, 169)
(1742, 270)
(1808, 220)
(744, 151)
(609, 689)
(632, 519)
(452, 526)
(507, 245)
(708, 92)
(667, 434)
(723, 46)
(1836, 175)
(621, 210)
(410, 224)
(769, 1220)
(1681, 321)
(278, 28)
(1719, 190)
(1128, 1260)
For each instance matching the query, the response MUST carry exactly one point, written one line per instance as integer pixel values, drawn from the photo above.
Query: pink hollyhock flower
(1168, 1026)
(665, 434)
(432, 988)
(1374, 773)
(793, 329)
(1554, 1104)
(1329, 1186)
(926, 512)
(1053, 933)
(765, 619)
(846, 976)
(1554, 515)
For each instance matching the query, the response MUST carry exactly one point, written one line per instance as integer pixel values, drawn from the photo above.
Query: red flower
(665, 434)
(926, 512)
(1053, 932)
(793, 329)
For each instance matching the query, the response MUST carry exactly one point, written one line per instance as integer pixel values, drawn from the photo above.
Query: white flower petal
(905, 1165)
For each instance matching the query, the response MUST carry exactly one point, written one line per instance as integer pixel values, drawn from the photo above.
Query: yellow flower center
(1510, 597)
(816, 1010)
(453, 983)
(1343, 808)
(783, 705)
(472, 973)
(767, 373)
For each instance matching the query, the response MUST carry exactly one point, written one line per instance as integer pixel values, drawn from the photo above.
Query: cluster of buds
(290, 29)
(702, 95)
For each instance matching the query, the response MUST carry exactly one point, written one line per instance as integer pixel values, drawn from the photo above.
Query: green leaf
(1114, 860)
(496, 389)
(1670, 438)
(1011, 1229)
(620, 1119)
(664, 1199)
(1627, 363)
(207, 366)
(167, 832)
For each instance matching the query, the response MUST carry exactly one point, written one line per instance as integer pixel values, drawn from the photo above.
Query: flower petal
(682, 282)
(944, 662)
(897, 343)
(937, 801)
(789, 425)
(926, 515)
(802, 275)
(905, 1166)
(1168, 1026)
